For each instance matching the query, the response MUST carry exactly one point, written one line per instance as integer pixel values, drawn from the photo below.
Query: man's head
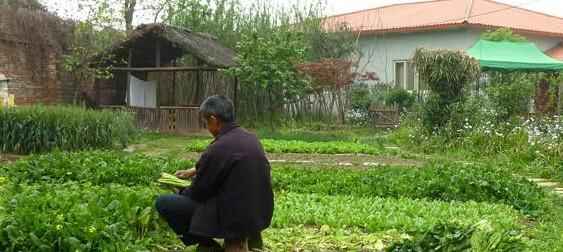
(217, 110)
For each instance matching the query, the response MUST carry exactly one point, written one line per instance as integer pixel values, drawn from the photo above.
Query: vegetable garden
(459, 180)
(103, 200)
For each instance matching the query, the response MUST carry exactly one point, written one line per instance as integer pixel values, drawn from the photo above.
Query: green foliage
(448, 236)
(436, 113)
(84, 60)
(401, 98)
(296, 146)
(374, 214)
(95, 167)
(360, 97)
(230, 21)
(503, 34)
(444, 182)
(304, 135)
(511, 95)
(269, 62)
(270, 43)
(266, 68)
(447, 73)
(78, 217)
(44, 128)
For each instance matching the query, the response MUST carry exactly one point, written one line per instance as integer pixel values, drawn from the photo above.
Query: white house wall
(379, 52)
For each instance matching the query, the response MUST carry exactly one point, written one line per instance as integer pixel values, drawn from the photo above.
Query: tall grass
(37, 129)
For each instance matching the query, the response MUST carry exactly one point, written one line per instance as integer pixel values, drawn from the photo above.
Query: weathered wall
(30, 64)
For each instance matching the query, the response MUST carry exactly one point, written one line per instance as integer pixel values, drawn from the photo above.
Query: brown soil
(331, 159)
(8, 158)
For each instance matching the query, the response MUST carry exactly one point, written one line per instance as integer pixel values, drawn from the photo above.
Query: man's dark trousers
(178, 210)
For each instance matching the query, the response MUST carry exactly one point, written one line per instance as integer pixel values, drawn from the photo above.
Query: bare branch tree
(128, 12)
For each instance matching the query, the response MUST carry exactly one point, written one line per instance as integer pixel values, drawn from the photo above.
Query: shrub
(401, 98)
(41, 129)
(510, 99)
(95, 167)
(447, 73)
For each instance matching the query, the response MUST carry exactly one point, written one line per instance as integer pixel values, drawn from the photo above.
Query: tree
(447, 73)
(503, 34)
(128, 12)
(25, 4)
(267, 65)
(332, 75)
(90, 38)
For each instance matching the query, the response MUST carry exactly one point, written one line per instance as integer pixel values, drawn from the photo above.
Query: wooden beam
(164, 69)
(236, 95)
(157, 64)
(197, 82)
(174, 86)
(127, 85)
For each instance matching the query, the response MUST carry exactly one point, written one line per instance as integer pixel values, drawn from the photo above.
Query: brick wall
(34, 74)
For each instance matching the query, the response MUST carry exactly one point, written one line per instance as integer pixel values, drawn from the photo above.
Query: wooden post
(157, 64)
(198, 82)
(174, 85)
(235, 95)
(128, 84)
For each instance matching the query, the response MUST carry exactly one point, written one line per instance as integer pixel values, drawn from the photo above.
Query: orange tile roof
(556, 52)
(442, 14)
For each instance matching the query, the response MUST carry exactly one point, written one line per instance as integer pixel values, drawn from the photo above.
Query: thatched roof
(175, 42)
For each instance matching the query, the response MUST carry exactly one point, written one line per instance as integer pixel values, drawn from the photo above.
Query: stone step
(548, 184)
(538, 180)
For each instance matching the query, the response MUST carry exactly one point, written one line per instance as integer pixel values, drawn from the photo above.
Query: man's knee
(162, 204)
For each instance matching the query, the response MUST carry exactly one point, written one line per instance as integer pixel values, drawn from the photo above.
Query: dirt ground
(8, 158)
(330, 159)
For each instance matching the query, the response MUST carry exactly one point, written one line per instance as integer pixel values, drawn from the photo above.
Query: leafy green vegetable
(443, 181)
(295, 146)
(96, 167)
(83, 217)
(171, 180)
(374, 214)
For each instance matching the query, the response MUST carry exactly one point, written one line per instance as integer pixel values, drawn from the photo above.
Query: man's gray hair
(219, 106)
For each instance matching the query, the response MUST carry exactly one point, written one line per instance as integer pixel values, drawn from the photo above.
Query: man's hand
(185, 174)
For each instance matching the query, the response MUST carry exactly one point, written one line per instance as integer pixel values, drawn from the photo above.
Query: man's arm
(210, 173)
(186, 174)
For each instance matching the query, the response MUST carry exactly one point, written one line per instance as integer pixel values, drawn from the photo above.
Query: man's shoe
(255, 242)
(209, 249)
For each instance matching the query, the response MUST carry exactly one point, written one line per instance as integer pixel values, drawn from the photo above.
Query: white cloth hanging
(142, 93)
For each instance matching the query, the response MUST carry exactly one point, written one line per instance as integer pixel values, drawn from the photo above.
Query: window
(406, 76)
(399, 74)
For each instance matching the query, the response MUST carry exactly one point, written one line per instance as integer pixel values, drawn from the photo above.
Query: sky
(71, 9)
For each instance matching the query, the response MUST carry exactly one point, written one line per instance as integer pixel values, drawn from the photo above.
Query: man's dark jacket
(234, 185)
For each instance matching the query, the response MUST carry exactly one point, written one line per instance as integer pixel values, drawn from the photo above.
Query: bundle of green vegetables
(173, 181)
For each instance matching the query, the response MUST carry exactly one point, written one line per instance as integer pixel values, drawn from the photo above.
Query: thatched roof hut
(148, 81)
(174, 42)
